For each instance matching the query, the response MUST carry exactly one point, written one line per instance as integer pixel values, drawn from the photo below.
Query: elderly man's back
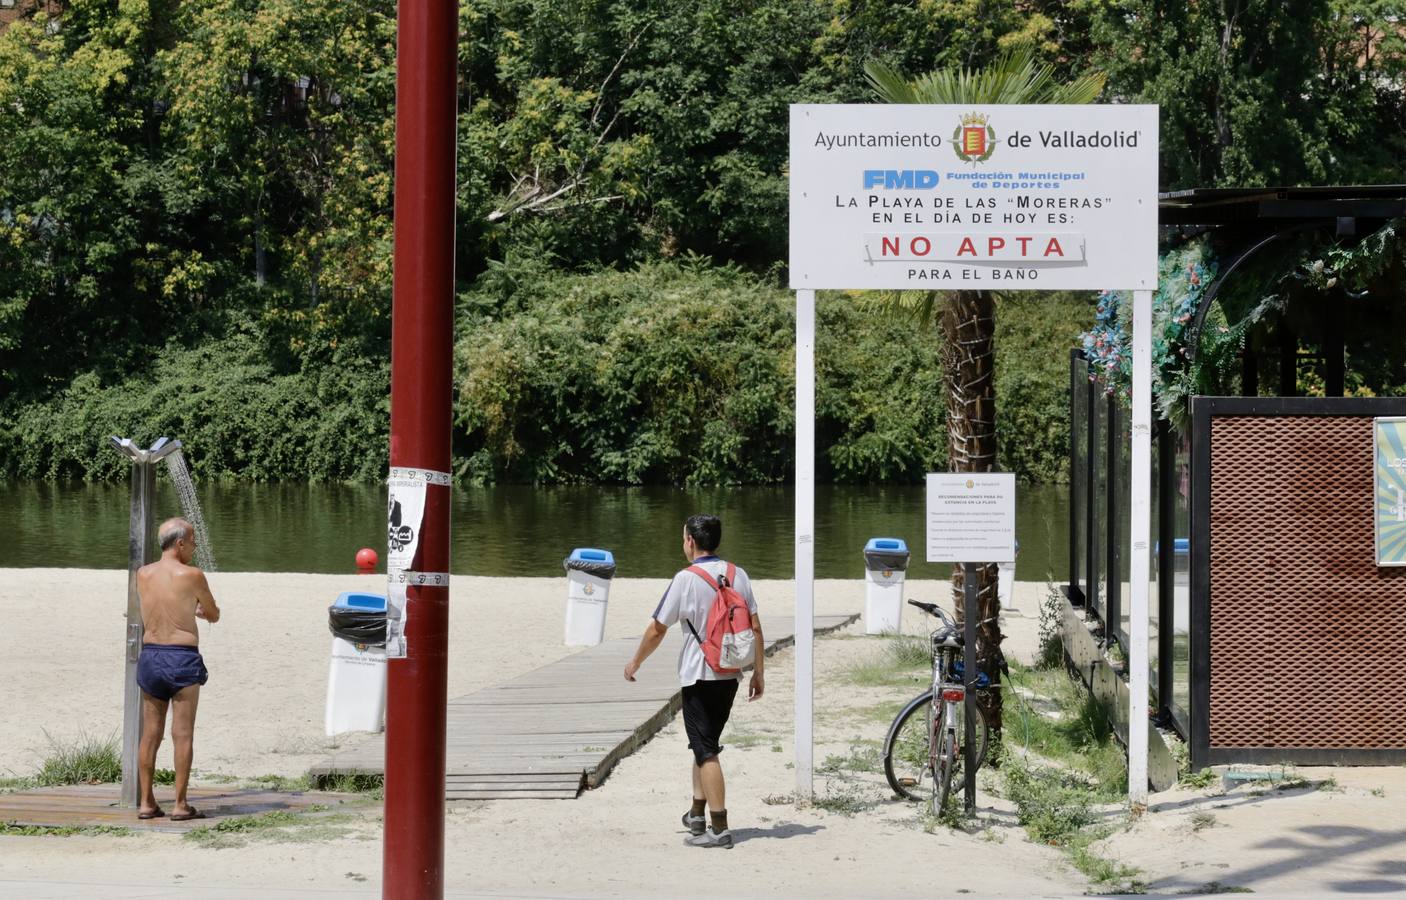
(170, 669)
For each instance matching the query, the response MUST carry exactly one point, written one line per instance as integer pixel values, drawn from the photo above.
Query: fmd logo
(900, 179)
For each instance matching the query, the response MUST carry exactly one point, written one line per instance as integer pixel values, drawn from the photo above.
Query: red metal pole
(422, 321)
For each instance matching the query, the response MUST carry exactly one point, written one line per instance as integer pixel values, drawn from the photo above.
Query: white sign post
(1000, 198)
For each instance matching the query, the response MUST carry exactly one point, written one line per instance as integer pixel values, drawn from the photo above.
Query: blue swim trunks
(164, 669)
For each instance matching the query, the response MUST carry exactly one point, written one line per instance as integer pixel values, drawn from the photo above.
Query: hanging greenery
(1259, 292)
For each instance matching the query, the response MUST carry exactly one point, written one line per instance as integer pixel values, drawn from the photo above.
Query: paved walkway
(561, 728)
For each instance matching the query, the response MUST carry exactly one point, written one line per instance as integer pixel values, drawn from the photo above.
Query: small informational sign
(971, 517)
(1389, 444)
(1013, 197)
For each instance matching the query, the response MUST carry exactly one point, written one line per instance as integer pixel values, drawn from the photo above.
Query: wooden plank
(538, 726)
(513, 795)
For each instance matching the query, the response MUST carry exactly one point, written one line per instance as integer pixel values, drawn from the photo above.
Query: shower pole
(141, 549)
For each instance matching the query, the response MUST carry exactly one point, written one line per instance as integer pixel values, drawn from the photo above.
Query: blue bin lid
(357, 600)
(892, 545)
(590, 554)
(1179, 545)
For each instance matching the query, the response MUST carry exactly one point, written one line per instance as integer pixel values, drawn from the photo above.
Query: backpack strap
(703, 573)
(731, 575)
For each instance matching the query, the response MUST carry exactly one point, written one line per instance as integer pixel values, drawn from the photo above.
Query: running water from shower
(190, 507)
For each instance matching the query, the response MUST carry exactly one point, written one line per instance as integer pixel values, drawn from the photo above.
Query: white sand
(262, 711)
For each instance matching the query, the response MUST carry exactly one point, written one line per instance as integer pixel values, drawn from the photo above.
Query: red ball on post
(366, 559)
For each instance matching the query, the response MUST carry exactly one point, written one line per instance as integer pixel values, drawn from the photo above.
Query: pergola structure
(1249, 223)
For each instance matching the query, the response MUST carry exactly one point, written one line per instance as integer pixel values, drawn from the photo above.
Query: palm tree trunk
(969, 370)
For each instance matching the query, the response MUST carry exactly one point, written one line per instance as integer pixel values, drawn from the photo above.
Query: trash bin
(1005, 583)
(885, 566)
(588, 575)
(356, 677)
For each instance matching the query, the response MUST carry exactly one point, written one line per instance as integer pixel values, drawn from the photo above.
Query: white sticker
(405, 512)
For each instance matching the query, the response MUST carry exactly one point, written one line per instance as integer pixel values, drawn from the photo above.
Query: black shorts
(706, 706)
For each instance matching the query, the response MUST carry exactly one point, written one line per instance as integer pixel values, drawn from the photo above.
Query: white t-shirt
(690, 597)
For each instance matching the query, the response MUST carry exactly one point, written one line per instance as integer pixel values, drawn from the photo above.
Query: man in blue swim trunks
(170, 670)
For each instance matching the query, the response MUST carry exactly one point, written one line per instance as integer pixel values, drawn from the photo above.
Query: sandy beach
(262, 711)
(262, 714)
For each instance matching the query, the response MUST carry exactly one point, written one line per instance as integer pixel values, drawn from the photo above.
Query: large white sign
(971, 517)
(973, 197)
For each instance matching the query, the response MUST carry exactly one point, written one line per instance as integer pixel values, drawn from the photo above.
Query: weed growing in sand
(1202, 820)
(779, 799)
(1051, 652)
(10, 785)
(1378, 792)
(371, 786)
(163, 776)
(844, 799)
(1202, 779)
(864, 756)
(83, 760)
(1215, 887)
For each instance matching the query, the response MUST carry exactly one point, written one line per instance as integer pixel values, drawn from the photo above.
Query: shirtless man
(170, 671)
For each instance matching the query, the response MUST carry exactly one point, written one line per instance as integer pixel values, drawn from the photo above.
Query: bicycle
(923, 752)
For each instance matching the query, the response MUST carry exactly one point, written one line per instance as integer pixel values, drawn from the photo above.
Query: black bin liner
(604, 570)
(359, 626)
(886, 560)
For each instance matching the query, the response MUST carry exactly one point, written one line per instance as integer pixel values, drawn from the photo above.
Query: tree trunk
(969, 372)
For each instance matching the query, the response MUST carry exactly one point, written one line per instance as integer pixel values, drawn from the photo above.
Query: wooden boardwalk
(561, 728)
(90, 805)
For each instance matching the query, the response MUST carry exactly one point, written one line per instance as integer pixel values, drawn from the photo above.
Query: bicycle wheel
(908, 750)
(945, 762)
(956, 750)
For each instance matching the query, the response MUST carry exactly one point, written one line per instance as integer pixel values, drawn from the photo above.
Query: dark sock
(719, 820)
(697, 808)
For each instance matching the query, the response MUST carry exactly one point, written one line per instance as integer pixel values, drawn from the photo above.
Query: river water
(510, 529)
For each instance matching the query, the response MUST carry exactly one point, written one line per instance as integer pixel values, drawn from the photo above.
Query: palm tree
(967, 319)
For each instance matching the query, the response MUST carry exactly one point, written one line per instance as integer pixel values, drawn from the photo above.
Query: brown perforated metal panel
(1308, 635)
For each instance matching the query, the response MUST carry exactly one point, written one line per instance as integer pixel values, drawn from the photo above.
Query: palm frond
(1014, 77)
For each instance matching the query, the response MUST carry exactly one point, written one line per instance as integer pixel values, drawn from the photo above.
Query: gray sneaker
(695, 824)
(711, 838)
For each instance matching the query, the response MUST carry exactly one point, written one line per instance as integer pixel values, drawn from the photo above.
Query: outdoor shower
(142, 549)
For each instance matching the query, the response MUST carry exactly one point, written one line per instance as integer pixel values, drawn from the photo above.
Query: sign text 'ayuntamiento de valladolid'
(973, 197)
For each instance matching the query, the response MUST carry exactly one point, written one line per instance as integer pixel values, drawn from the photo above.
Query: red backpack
(731, 643)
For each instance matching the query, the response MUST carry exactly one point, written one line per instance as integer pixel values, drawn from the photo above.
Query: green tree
(967, 319)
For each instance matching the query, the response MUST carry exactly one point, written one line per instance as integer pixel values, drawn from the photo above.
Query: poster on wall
(1389, 446)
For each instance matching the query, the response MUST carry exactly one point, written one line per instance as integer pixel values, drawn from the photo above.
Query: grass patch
(1378, 792)
(277, 826)
(903, 659)
(1077, 733)
(1057, 804)
(163, 776)
(1202, 820)
(743, 740)
(11, 830)
(84, 760)
(863, 756)
(371, 786)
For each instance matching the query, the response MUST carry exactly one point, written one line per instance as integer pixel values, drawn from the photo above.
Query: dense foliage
(669, 374)
(207, 186)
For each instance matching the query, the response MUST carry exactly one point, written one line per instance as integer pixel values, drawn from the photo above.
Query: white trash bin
(588, 575)
(1005, 583)
(356, 676)
(885, 567)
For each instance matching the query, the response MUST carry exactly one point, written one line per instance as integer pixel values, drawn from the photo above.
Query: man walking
(170, 669)
(707, 693)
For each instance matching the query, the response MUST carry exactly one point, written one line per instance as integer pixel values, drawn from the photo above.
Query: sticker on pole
(405, 513)
(1012, 197)
(971, 517)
